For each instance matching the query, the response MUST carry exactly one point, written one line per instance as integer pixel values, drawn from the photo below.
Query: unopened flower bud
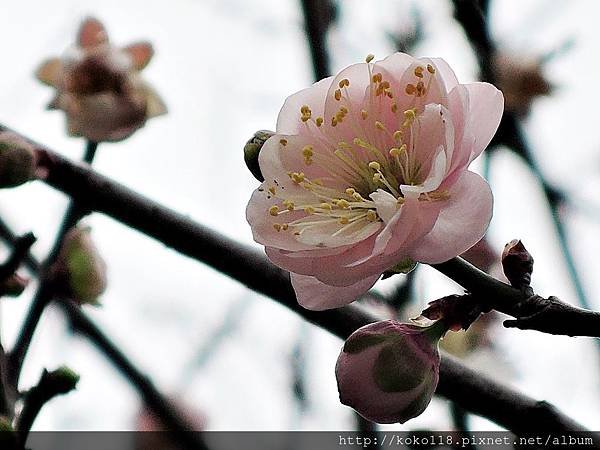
(62, 379)
(388, 371)
(13, 286)
(80, 271)
(17, 160)
(517, 264)
(252, 150)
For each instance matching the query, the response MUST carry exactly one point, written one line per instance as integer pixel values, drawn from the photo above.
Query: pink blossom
(99, 86)
(388, 371)
(368, 170)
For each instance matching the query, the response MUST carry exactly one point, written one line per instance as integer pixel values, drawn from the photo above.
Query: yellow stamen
(274, 210)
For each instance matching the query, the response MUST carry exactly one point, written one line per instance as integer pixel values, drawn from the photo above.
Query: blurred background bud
(17, 160)
(388, 371)
(99, 88)
(521, 80)
(80, 272)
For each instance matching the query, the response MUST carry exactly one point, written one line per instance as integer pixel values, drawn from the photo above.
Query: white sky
(224, 68)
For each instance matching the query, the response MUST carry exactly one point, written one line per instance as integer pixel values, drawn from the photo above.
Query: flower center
(380, 157)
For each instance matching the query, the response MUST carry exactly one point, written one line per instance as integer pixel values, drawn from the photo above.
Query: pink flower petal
(461, 224)
(141, 53)
(486, 105)
(288, 121)
(317, 296)
(91, 33)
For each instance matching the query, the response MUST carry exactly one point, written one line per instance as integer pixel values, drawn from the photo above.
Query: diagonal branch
(472, 391)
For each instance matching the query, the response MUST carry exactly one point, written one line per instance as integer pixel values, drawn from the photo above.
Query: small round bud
(388, 371)
(252, 150)
(517, 264)
(17, 160)
(63, 379)
(80, 271)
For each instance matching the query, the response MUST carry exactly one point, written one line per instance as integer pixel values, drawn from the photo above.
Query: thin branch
(317, 17)
(472, 391)
(532, 312)
(51, 384)
(172, 418)
(45, 289)
(471, 14)
(20, 251)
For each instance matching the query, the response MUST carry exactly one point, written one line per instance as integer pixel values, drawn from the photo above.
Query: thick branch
(474, 392)
(19, 253)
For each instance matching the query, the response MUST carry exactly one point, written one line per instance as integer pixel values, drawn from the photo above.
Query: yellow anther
(344, 110)
(376, 177)
(307, 151)
(394, 152)
(304, 109)
(371, 215)
(289, 205)
(326, 206)
(350, 191)
(356, 196)
(370, 57)
(319, 121)
(339, 116)
(394, 107)
(410, 89)
(283, 142)
(277, 226)
(334, 121)
(420, 88)
(398, 135)
(379, 125)
(377, 78)
(375, 165)
(272, 190)
(344, 82)
(285, 226)
(305, 118)
(309, 210)
(430, 69)
(297, 177)
(385, 84)
(337, 95)
(274, 210)
(410, 115)
(343, 220)
(341, 203)
(364, 114)
(389, 94)
(400, 201)
(419, 71)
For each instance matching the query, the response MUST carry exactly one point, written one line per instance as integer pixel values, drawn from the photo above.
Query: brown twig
(531, 312)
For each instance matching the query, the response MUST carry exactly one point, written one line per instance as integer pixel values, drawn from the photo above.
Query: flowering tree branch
(98, 193)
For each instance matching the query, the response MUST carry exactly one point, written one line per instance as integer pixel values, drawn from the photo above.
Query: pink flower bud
(388, 371)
